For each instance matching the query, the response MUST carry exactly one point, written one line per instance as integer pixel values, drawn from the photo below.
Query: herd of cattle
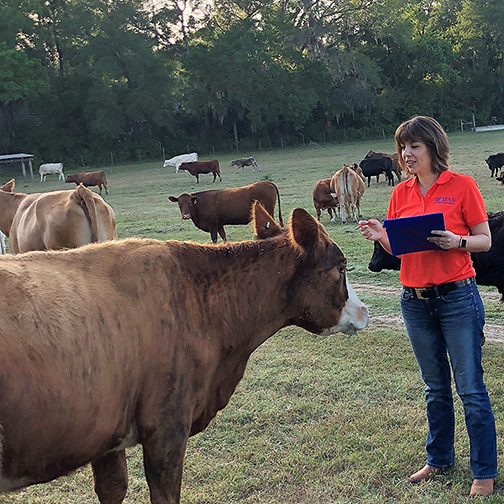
(138, 341)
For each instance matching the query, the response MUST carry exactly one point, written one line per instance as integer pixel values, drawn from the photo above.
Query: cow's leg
(222, 233)
(214, 177)
(163, 463)
(330, 212)
(213, 234)
(319, 211)
(110, 475)
(100, 187)
(106, 190)
(197, 178)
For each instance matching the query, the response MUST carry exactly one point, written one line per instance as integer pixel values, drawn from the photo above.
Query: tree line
(87, 81)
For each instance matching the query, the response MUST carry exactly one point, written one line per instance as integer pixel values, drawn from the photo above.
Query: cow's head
(381, 260)
(186, 203)
(325, 301)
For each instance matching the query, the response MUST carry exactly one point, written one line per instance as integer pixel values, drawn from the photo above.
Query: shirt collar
(443, 178)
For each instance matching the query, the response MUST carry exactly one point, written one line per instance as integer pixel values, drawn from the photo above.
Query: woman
(440, 303)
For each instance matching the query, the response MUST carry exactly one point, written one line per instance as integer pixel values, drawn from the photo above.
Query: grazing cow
(212, 210)
(494, 162)
(178, 160)
(324, 200)
(54, 220)
(374, 166)
(396, 167)
(249, 161)
(488, 265)
(348, 187)
(95, 178)
(51, 169)
(196, 168)
(139, 341)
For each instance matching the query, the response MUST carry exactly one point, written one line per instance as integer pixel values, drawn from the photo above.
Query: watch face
(463, 243)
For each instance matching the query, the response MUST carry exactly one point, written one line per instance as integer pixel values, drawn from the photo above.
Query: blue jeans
(443, 330)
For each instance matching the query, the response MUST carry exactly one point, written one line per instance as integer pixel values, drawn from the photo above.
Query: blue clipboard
(409, 234)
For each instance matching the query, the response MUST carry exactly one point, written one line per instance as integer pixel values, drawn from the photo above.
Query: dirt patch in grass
(492, 332)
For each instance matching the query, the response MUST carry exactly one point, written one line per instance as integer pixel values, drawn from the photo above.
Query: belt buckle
(418, 293)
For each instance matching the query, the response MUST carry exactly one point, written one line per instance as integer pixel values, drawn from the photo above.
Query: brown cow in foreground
(195, 168)
(212, 210)
(143, 341)
(348, 187)
(324, 200)
(95, 178)
(54, 220)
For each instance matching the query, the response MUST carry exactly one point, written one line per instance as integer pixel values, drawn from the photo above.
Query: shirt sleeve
(473, 206)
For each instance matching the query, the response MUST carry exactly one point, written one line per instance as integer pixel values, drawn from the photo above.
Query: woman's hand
(444, 239)
(372, 229)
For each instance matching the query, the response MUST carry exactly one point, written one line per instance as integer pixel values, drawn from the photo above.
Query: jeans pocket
(460, 295)
(405, 295)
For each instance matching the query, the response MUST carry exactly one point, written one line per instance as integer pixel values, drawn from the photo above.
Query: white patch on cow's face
(354, 316)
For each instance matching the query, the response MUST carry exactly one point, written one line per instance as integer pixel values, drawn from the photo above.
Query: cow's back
(54, 220)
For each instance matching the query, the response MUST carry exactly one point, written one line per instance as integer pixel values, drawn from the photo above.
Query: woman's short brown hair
(428, 131)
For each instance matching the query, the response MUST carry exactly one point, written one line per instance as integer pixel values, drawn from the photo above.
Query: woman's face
(417, 157)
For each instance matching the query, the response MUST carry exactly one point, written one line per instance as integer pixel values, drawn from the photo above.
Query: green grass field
(315, 420)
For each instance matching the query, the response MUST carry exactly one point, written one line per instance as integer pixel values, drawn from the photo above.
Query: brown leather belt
(438, 290)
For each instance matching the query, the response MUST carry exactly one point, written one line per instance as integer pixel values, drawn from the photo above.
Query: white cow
(178, 160)
(51, 169)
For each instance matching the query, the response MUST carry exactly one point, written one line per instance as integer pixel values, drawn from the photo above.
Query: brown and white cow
(195, 168)
(210, 211)
(89, 179)
(143, 342)
(348, 187)
(54, 220)
(324, 200)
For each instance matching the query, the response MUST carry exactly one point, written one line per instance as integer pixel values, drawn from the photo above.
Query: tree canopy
(83, 79)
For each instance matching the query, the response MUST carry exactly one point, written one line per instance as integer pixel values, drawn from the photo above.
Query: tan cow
(142, 341)
(54, 220)
(348, 187)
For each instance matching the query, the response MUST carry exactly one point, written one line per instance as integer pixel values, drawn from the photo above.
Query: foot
(482, 487)
(426, 473)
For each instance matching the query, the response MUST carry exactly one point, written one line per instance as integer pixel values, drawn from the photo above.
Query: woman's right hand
(372, 229)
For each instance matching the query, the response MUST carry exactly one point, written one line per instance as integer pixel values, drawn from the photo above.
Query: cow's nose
(186, 216)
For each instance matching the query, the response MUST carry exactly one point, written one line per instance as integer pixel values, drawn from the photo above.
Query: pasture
(316, 419)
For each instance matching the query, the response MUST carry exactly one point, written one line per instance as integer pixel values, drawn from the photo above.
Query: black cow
(374, 166)
(489, 266)
(494, 162)
(249, 161)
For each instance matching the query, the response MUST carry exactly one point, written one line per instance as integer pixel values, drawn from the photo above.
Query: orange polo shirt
(455, 195)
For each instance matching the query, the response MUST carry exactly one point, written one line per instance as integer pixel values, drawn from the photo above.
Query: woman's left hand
(445, 239)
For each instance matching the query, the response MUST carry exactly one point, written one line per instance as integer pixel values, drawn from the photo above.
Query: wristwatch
(462, 242)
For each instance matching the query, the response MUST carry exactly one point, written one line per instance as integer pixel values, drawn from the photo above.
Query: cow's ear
(305, 230)
(172, 198)
(8, 186)
(265, 225)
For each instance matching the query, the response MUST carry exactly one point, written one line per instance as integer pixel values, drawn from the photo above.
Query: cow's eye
(342, 269)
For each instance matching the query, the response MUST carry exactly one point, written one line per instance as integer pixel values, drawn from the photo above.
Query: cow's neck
(245, 303)
(9, 203)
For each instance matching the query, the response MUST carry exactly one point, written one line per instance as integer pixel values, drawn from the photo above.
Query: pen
(363, 224)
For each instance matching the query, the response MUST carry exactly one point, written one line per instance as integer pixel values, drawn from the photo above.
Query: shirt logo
(444, 200)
